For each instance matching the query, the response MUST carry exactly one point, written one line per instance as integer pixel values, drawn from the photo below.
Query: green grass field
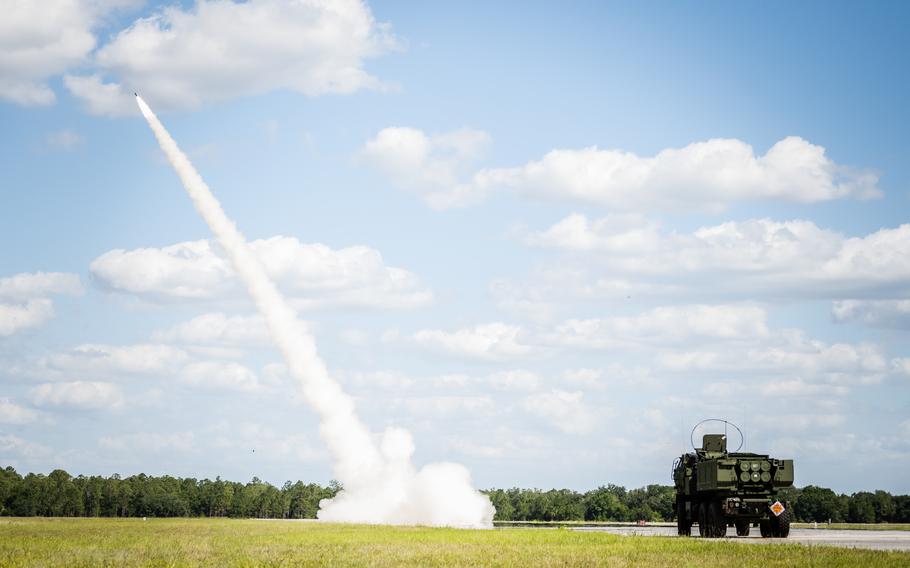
(224, 542)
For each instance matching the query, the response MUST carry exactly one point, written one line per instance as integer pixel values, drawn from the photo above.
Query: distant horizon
(328, 483)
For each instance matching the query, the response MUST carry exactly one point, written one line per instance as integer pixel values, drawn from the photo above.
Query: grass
(242, 543)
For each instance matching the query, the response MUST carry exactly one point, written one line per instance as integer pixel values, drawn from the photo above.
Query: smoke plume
(380, 483)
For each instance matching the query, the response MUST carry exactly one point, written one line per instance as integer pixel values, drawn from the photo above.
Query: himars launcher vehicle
(717, 489)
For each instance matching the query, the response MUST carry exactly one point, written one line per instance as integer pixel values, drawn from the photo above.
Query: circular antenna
(726, 423)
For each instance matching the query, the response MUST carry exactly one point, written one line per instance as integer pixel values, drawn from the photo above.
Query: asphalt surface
(872, 539)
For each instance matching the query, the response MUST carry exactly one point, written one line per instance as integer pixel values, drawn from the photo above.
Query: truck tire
(683, 522)
(716, 521)
(742, 528)
(780, 525)
(703, 521)
(764, 526)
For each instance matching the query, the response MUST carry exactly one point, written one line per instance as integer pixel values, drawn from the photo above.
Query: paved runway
(873, 539)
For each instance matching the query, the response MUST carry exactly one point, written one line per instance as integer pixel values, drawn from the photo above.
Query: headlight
(756, 476)
(765, 466)
(744, 476)
(744, 465)
(765, 476)
(755, 466)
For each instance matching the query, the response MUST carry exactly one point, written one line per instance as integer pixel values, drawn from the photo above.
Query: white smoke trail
(380, 483)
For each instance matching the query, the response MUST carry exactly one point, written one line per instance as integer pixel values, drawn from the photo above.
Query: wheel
(716, 521)
(764, 526)
(703, 521)
(742, 528)
(780, 525)
(683, 522)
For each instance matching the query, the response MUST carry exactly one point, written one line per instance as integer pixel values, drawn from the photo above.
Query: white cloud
(515, 380)
(429, 165)
(440, 406)
(154, 442)
(758, 257)
(589, 378)
(77, 394)
(785, 353)
(39, 40)
(220, 375)
(476, 449)
(218, 50)
(12, 413)
(788, 388)
(874, 313)
(24, 286)
(504, 442)
(12, 447)
(490, 342)
(563, 409)
(34, 313)
(109, 361)
(23, 301)
(901, 365)
(381, 379)
(620, 234)
(703, 175)
(313, 275)
(666, 324)
(217, 329)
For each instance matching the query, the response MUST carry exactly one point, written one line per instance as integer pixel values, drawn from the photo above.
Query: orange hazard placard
(777, 508)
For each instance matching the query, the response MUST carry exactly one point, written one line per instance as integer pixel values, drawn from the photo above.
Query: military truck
(716, 489)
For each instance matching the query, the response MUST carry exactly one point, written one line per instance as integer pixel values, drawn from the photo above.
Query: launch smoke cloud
(381, 485)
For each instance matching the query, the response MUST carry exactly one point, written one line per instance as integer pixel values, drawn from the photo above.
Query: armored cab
(716, 489)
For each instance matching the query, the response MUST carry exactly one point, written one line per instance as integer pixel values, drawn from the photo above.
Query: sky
(547, 239)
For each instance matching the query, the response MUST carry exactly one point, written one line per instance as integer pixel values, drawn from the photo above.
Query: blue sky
(545, 239)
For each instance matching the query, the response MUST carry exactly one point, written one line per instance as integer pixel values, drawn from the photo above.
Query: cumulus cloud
(218, 50)
(33, 313)
(89, 395)
(445, 405)
(23, 298)
(39, 40)
(13, 447)
(12, 413)
(431, 166)
(38, 284)
(665, 324)
(786, 353)
(757, 257)
(313, 275)
(893, 314)
(565, 410)
(112, 362)
(789, 388)
(489, 342)
(703, 175)
(515, 380)
(217, 329)
(220, 375)
(144, 361)
(384, 380)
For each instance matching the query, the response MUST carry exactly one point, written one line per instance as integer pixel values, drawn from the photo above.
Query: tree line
(59, 494)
